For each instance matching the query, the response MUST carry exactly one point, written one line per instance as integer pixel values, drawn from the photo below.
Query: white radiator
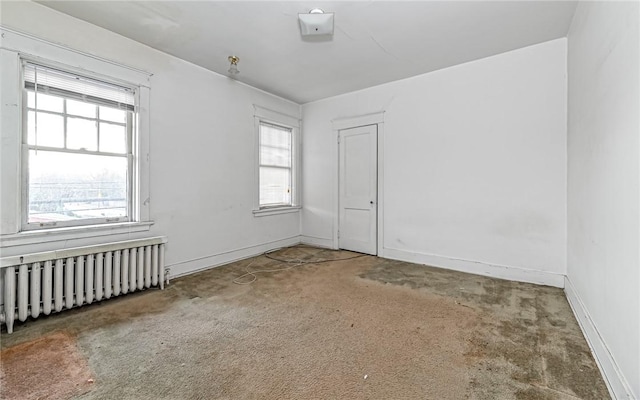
(48, 282)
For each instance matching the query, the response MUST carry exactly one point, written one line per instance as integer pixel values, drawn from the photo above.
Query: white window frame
(270, 117)
(132, 176)
(16, 47)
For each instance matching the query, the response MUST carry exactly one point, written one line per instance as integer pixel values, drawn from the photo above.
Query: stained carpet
(361, 328)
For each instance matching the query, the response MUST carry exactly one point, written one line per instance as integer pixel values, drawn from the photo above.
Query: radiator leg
(9, 297)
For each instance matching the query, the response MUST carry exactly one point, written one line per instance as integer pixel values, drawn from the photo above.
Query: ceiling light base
(233, 65)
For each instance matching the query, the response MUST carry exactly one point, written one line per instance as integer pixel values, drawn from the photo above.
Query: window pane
(82, 134)
(113, 138)
(113, 114)
(81, 108)
(275, 146)
(66, 186)
(275, 186)
(50, 129)
(45, 102)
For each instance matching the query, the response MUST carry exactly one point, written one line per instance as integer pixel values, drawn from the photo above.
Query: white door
(358, 189)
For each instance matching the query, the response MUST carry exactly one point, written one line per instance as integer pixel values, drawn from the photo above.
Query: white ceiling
(374, 41)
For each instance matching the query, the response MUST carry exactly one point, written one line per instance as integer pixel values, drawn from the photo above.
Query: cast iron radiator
(53, 281)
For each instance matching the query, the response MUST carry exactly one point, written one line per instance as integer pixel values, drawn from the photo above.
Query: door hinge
(338, 139)
(338, 234)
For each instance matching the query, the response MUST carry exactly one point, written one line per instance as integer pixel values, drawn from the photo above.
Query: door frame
(355, 122)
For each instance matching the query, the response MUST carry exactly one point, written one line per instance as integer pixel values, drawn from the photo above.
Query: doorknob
(371, 202)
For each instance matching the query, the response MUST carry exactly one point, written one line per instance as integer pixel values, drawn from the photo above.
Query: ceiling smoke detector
(316, 23)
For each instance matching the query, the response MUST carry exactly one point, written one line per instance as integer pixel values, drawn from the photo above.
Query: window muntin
(78, 150)
(276, 160)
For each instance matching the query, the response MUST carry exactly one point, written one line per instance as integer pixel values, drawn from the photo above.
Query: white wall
(604, 184)
(474, 164)
(202, 148)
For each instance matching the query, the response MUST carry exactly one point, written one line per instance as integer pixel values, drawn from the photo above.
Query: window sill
(68, 233)
(263, 212)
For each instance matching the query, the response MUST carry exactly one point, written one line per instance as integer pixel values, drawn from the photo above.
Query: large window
(78, 141)
(276, 165)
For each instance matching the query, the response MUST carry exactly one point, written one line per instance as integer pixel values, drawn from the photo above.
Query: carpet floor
(347, 327)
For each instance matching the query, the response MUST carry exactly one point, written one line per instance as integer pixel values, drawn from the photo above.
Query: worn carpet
(47, 367)
(360, 328)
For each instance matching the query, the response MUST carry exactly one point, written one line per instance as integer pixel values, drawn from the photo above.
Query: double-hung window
(78, 149)
(277, 162)
(276, 165)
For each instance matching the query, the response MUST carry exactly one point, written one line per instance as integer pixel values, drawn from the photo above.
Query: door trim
(355, 122)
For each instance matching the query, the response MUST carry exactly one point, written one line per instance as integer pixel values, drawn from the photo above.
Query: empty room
(320, 200)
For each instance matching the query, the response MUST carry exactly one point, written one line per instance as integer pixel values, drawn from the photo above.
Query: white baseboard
(613, 377)
(479, 268)
(216, 260)
(316, 241)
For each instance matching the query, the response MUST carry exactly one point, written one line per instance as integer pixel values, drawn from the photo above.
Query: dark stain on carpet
(50, 367)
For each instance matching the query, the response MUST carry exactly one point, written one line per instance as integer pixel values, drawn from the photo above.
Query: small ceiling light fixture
(233, 67)
(316, 22)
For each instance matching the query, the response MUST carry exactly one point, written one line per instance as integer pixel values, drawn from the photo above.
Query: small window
(276, 165)
(78, 157)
